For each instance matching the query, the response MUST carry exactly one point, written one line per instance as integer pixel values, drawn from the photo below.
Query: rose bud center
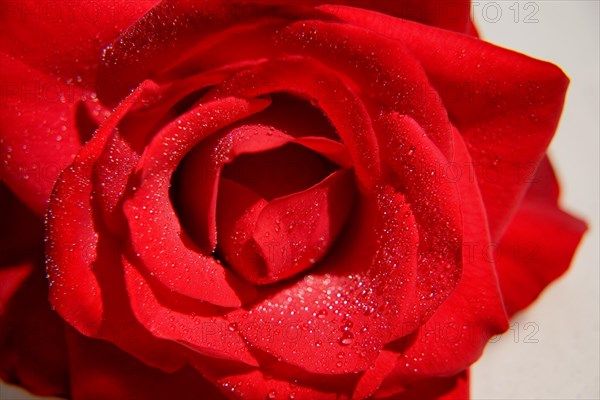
(269, 205)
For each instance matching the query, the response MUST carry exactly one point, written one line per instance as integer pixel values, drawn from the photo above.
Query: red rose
(286, 200)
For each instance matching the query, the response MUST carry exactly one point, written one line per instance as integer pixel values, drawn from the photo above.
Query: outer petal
(382, 72)
(506, 105)
(65, 39)
(274, 379)
(200, 25)
(539, 243)
(38, 137)
(198, 326)
(159, 105)
(21, 231)
(450, 14)
(450, 388)
(453, 15)
(82, 260)
(32, 348)
(456, 334)
(70, 249)
(256, 384)
(33, 352)
(101, 371)
(50, 54)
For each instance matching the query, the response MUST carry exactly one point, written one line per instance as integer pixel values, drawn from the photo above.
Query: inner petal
(269, 241)
(296, 116)
(278, 172)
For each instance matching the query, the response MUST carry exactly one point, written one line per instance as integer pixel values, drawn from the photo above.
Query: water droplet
(347, 325)
(346, 338)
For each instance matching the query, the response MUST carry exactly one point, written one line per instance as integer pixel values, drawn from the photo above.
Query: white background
(564, 363)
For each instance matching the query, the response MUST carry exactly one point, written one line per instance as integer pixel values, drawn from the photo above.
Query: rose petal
(101, 371)
(81, 258)
(543, 184)
(199, 173)
(539, 242)
(370, 381)
(158, 106)
(12, 277)
(183, 322)
(66, 263)
(236, 217)
(294, 115)
(39, 137)
(255, 385)
(453, 15)
(197, 188)
(438, 388)
(200, 26)
(305, 78)
(281, 171)
(272, 379)
(333, 151)
(237, 26)
(401, 307)
(414, 161)
(33, 353)
(507, 110)
(31, 335)
(336, 319)
(294, 232)
(454, 337)
(157, 238)
(21, 231)
(120, 322)
(66, 39)
(382, 72)
(276, 240)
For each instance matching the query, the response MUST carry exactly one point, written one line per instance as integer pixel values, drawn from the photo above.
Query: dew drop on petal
(346, 338)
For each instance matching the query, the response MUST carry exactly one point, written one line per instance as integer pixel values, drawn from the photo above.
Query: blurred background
(552, 349)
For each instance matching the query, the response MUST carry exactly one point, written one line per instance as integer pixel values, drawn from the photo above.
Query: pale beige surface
(564, 363)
